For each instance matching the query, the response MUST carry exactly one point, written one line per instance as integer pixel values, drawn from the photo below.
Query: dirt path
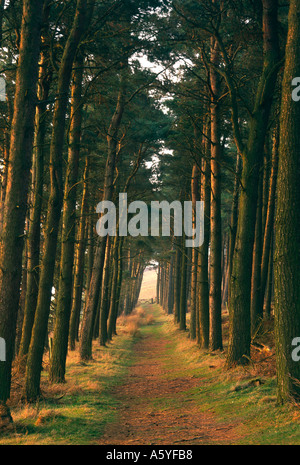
(157, 409)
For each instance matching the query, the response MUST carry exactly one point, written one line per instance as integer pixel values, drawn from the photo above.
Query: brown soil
(143, 420)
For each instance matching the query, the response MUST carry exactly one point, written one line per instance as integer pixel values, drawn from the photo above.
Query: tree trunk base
(6, 420)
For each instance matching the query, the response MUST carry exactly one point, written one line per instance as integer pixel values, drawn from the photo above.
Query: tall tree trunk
(15, 206)
(117, 263)
(234, 219)
(266, 183)
(225, 268)
(33, 243)
(7, 134)
(183, 282)
(178, 258)
(203, 285)
(240, 287)
(104, 307)
(39, 331)
(269, 225)
(128, 283)
(20, 317)
(215, 287)
(119, 286)
(2, 3)
(171, 284)
(96, 278)
(118, 266)
(195, 198)
(255, 309)
(90, 249)
(270, 281)
(79, 262)
(287, 231)
(64, 299)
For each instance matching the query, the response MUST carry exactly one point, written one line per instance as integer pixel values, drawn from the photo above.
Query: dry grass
(132, 323)
(262, 362)
(140, 312)
(149, 320)
(77, 411)
(46, 415)
(84, 395)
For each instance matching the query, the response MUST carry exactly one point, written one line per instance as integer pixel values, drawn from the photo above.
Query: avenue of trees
(162, 100)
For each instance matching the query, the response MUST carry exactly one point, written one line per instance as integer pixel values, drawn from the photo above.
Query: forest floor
(157, 400)
(175, 394)
(152, 385)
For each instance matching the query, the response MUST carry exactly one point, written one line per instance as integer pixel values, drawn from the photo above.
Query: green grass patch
(75, 412)
(78, 411)
(235, 396)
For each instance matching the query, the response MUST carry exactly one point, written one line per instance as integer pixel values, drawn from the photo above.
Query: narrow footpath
(156, 406)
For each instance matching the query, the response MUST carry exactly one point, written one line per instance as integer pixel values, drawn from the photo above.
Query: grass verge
(243, 397)
(77, 411)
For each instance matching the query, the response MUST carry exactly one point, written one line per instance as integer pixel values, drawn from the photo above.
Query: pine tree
(287, 235)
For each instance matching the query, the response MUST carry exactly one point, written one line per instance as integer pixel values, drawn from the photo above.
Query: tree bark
(79, 262)
(195, 190)
(64, 299)
(33, 243)
(215, 285)
(269, 226)
(255, 308)
(39, 331)
(240, 287)
(114, 301)
(96, 278)
(15, 206)
(170, 298)
(183, 282)
(203, 284)
(270, 281)
(287, 231)
(104, 307)
(234, 219)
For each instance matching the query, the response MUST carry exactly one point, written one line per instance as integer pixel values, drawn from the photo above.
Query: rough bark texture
(96, 278)
(104, 307)
(114, 301)
(39, 331)
(15, 205)
(202, 278)
(240, 285)
(33, 242)
(64, 299)
(256, 309)
(171, 284)
(183, 284)
(287, 231)
(215, 293)
(234, 219)
(195, 197)
(79, 263)
(269, 224)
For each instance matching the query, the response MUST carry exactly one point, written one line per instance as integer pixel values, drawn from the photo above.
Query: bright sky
(148, 289)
